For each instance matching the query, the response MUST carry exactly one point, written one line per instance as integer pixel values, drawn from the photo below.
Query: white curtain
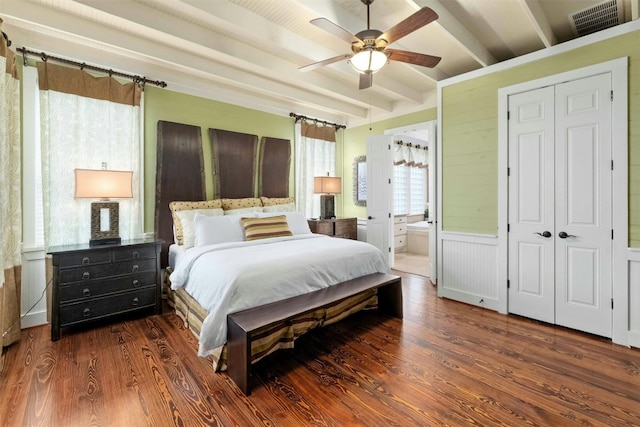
(315, 156)
(410, 155)
(84, 127)
(10, 199)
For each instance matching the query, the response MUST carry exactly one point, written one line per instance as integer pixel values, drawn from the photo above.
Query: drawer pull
(86, 312)
(135, 301)
(85, 275)
(136, 283)
(86, 292)
(135, 254)
(135, 268)
(85, 260)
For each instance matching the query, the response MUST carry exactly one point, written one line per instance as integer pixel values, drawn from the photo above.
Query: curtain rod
(408, 144)
(300, 117)
(45, 57)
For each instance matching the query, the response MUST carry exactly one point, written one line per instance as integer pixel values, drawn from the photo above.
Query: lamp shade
(327, 185)
(103, 184)
(368, 61)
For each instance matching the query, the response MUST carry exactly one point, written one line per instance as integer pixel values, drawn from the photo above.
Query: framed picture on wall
(360, 181)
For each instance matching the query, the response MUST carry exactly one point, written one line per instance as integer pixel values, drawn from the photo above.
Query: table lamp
(105, 215)
(327, 186)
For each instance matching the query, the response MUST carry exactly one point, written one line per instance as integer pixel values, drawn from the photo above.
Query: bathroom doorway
(414, 199)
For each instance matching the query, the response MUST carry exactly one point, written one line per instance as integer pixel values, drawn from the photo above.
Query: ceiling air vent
(603, 15)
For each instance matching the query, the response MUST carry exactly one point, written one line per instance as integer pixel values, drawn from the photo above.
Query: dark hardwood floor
(445, 363)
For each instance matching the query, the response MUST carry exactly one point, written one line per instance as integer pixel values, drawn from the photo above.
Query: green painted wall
(470, 135)
(355, 144)
(163, 104)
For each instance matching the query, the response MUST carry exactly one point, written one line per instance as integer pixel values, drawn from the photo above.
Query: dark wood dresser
(347, 228)
(98, 282)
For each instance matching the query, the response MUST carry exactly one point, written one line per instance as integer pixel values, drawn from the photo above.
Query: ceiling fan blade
(336, 30)
(325, 62)
(366, 80)
(409, 25)
(413, 57)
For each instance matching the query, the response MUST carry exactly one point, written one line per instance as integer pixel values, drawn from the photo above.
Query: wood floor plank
(444, 364)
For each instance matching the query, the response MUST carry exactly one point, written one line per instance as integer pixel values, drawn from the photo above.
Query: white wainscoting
(33, 306)
(634, 298)
(469, 269)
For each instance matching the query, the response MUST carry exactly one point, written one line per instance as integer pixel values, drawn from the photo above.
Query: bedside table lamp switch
(327, 186)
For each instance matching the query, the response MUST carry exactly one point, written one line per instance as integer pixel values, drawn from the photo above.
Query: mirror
(360, 181)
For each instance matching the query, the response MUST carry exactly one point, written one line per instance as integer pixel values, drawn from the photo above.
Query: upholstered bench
(243, 324)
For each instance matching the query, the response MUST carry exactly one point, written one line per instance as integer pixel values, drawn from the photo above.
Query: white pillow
(186, 218)
(289, 207)
(211, 230)
(243, 211)
(297, 221)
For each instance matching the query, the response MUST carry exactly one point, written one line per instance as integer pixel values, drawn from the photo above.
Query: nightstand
(347, 228)
(99, 282)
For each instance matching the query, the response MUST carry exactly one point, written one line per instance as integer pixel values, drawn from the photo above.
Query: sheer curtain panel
(10, 198)
(86, 121)
(315, 156)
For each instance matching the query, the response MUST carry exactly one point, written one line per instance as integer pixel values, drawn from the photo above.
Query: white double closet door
(560, 204)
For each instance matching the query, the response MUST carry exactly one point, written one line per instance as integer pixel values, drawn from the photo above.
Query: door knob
(564, 235)
(369, 217)
(546, 234)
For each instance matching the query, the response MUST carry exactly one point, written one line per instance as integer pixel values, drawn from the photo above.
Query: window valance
(312, 130)
(78, 82)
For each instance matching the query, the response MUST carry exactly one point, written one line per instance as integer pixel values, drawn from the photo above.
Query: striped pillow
(263, 228)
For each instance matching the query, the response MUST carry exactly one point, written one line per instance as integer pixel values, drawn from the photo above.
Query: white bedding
(228, 277)
(175, 252)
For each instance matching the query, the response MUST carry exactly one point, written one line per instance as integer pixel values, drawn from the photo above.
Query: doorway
(560, 237)
(414, 199)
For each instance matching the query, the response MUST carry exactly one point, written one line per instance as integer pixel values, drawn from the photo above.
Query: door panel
(583, 205)
(433, 207)
(531, 198)
(531, 261)
(582, 268)
(582, 176)
(379, 186)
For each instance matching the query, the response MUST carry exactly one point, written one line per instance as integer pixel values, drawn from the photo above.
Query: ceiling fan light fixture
(368, 61)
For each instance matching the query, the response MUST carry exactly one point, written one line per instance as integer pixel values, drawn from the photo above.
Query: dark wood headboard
(179, 175)
(234, 163)
(275, 160)
(180, 170)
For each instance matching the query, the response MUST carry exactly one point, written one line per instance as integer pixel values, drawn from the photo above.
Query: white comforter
(229, 277)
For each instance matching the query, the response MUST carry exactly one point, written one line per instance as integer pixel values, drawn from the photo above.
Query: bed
(251, 254)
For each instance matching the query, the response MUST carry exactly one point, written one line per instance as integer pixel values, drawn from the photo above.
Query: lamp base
(327, 206)
(105, 218)
(106, 241)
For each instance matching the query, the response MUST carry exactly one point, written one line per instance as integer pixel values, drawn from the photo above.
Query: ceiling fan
(369, 47)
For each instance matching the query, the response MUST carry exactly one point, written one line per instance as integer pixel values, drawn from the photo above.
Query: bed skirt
(270, 338)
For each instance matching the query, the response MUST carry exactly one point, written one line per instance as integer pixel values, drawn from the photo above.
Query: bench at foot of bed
(243, 324)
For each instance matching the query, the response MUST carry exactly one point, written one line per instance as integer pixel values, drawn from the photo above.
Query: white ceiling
(247, 52)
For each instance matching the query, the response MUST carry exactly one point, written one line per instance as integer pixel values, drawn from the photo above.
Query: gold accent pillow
(272, 201)
(248, 202)
(178, 206)
(264, 228)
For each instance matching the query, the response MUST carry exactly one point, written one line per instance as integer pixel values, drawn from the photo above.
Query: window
(314, 157)
(409, 190)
